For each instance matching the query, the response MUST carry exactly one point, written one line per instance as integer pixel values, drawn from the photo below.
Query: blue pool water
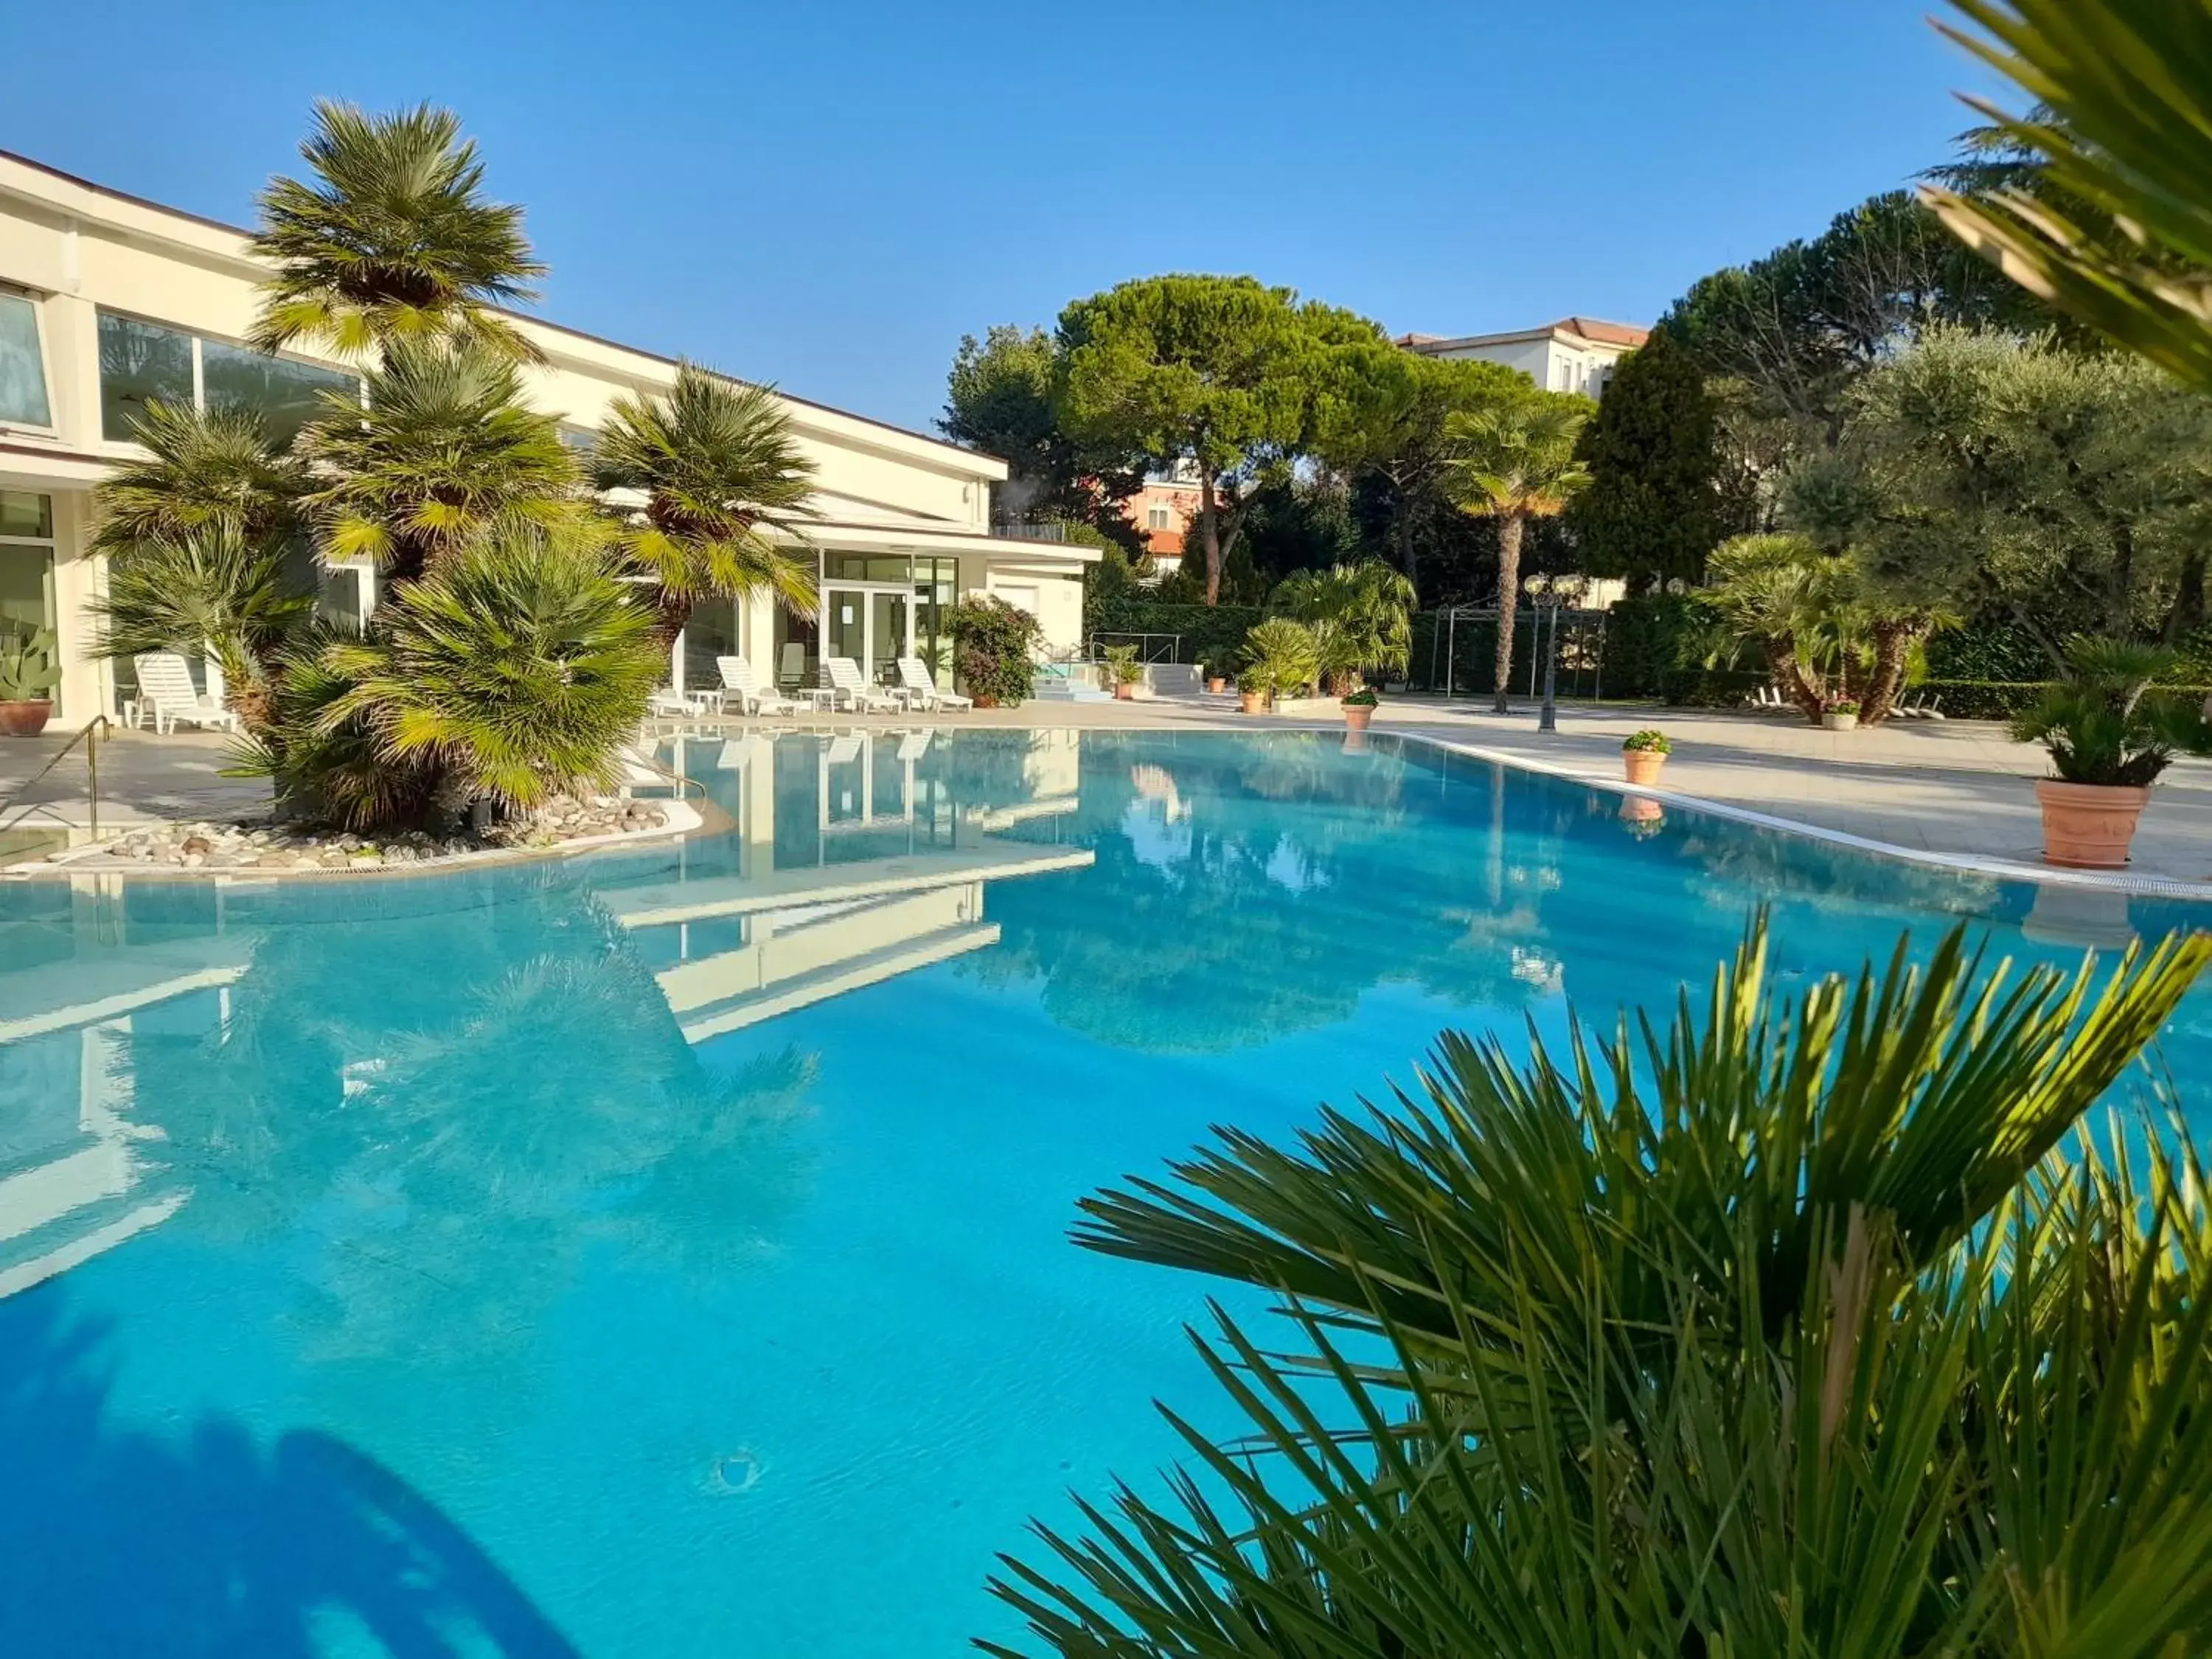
(663, 1252)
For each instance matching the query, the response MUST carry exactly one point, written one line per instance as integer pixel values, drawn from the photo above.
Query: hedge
(1200, 630)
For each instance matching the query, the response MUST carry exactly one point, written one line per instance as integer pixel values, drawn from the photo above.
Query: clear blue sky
(828, 195)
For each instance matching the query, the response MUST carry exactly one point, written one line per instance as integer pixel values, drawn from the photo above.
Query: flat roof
(532, 318)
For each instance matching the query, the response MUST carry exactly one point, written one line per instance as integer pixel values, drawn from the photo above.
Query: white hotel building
(106, 300)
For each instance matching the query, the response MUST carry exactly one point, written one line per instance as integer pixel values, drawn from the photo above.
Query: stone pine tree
(1651, 511)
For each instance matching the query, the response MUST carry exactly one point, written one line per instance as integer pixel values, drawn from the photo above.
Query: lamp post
(1548, 594)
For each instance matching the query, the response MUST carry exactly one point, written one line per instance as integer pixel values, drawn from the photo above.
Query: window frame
(36, 299)
(198, 339)
(50, 544)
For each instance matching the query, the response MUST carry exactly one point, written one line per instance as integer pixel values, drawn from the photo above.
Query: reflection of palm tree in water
(457, 1148)
(208, 1542)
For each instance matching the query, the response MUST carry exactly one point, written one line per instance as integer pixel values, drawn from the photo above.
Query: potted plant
(28, 679)
(995, 643)
(1644, 754)
(1253, 686)
(1841, 715)
(1123, 669)
(1359, 707)
(2108, 742)
(1220, 669)
(1283, 651)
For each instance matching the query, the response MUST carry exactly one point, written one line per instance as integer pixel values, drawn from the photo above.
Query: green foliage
(999, 400)
(1364, 697)
(392, 241)
(1777, 1331)
(1650, 741)
(1651, 511)
(2119, 233)
(213, 471)
(29, 670)
(1283, 654)
(1984, 472)
(1219, 373)
(995, 645)
(210, 590)
(444, 451)
(724, 482)
(512, 672)
(1360, 617)
(1121, 664)
(1648, 637)
(2099, 726)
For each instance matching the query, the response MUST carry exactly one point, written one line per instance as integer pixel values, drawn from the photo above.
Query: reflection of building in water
(860, 862)
(74, 1180)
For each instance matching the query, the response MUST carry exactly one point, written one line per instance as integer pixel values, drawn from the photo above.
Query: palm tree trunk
(675, 612)
(1509, 598)
(1893, 644)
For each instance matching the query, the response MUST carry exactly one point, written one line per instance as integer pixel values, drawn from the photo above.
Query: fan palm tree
(444, 450)
(2121, 125)
(1514, 463)
(511, 671)
(1361, 616)
(214, 471)
(723, 479)
(207, 588)
(391, 242)
(1780, 1331)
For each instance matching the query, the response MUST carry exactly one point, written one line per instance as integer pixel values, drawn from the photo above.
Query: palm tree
(1786, 1330)
(207, 588)
(722, 477)
(1361, 616)
(2118, 230)
(444, 450)
(1515, 463)
(216, 471)
(509, 673)
(392, 241)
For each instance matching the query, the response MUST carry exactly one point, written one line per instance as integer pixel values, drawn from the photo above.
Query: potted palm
(1253, 686)
(2108, 742)
(1359, 707)
(1123, 669)
(1283, 651)
(1220, 669)
(1644, 754)
(28, 679)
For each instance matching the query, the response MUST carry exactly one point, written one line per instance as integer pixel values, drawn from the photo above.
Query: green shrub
(995, 641)
(1650, 741)
(1651, 636)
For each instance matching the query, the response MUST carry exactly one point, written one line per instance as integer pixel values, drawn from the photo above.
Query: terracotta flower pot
(1124, 690)
(25, 719)
(1217, 683)
(985, 700)
(2088, 826)
(1356, 714)
(1642, 765)
(1251, 702)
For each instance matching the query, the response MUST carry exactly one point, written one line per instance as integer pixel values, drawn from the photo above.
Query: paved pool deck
(1954, 790)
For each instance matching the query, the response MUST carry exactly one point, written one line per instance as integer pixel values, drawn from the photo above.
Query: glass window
(25, 515)
(286, 395)
(711, 631)
(23, 365)
(139, 362)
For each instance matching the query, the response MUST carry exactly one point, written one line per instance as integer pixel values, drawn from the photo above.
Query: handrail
(89, 737)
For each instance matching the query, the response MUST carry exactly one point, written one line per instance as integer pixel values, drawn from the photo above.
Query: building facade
(1576, 354)
(106, 301)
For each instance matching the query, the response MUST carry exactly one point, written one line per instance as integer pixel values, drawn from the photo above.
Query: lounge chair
(672, 705)
(739, 682)
(165, 696)
(792, 674)
(846, 682)
(920, 686)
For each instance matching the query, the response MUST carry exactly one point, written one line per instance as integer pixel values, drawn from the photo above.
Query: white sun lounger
(921, 687)
(846, 682)
(739, 681)
(165, 696)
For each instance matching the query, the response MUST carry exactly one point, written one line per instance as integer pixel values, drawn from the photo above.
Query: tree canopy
(1651, 511)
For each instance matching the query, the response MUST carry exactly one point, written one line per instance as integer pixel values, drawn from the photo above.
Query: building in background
(108, 300)
(1164, 510)
(1576, 354)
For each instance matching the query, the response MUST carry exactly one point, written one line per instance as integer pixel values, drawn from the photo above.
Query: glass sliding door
(712, 633)
(27, 566)
(845, 624)
(889, 638)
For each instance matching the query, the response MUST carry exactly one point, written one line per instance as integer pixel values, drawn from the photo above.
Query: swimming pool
(663, 1252)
